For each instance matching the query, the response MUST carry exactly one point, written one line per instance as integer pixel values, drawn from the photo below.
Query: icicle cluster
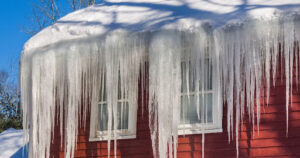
(164, 91)
(69, 76)
(248, 54)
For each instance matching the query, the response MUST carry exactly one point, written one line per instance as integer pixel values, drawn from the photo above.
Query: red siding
(271, 141)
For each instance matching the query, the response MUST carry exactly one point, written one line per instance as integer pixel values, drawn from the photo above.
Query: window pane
(102, 117)
(103, 88)
(207, 78)
(188, 110)
(187, 72)
(123, 111)
(204, 81)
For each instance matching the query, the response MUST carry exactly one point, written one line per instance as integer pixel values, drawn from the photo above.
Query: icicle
(164, 90)
(123, 60)
(288, 45)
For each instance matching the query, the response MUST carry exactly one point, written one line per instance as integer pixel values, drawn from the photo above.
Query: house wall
(271, 141)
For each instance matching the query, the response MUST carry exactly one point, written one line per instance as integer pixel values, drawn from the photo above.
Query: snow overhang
(145, 15)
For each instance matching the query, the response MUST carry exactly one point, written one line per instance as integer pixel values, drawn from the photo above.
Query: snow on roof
(142, 15)
(11, 142)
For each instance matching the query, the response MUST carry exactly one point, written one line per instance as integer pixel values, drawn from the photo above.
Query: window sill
(120, 137)
(198, 131)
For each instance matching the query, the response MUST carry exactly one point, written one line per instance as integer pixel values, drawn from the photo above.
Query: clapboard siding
(270, 141)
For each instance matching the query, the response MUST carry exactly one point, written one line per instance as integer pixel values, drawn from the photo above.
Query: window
(200, 109)
(126, 116)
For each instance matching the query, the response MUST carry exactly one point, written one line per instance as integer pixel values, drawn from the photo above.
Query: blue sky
(13, 15)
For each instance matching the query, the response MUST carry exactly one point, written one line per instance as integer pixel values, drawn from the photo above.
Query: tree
(10, 112)
(47, 12)
(78, 4)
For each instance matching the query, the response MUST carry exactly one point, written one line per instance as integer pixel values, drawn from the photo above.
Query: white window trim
(130, 133)
(119, 137)
(216, 126)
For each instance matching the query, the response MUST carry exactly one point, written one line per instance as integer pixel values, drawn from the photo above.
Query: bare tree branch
(47, 12)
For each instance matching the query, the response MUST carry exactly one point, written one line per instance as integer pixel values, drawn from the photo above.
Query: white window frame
(216, 125)
(129, 133)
